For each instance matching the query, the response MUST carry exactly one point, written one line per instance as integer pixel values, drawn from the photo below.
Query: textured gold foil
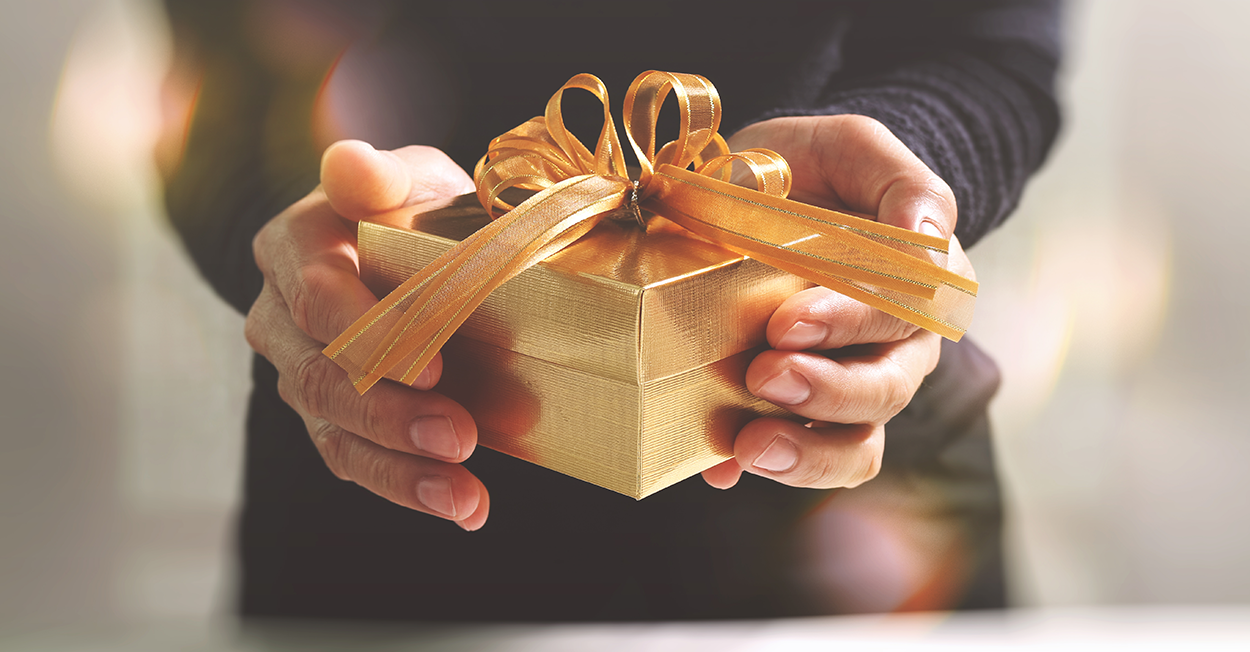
(618, 360)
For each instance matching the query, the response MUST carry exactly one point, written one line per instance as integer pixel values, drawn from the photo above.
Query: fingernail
(803, 335)
(436, 436)
(779, 457)
(435, 493)
(929, 228)
(786, 388)
(423, 379)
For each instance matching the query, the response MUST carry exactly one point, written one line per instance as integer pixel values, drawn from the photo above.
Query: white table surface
(1103, 628)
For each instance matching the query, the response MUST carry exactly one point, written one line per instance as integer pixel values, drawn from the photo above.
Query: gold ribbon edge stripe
(895, 270)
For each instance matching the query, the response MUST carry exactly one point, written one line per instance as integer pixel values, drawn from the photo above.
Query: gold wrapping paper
(618, 360)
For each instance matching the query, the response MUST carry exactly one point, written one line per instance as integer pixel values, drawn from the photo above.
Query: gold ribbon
(895, 270)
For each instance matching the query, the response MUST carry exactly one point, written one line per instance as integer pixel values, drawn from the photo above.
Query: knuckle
(385, 479)
(836, 398)
(897, 390)
(256, 325)
(302, 299)
(260, 246)
(940, 191)
(873, 328)
(939, 194)
(373, 416)
(335, 446)
(310, 380)
(868, 456)
(869, 467)
(874, 128)
(843, 465)
(287, 393)
(252, 329)
(883, 327)
(823, 472)
(896, 397)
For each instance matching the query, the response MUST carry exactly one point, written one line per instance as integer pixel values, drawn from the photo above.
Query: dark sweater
(968, 85)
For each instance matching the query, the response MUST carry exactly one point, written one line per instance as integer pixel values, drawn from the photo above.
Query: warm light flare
(1093, 303)
(106, 117)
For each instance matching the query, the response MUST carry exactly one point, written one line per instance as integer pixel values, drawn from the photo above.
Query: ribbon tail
(400, 335)
(894, 270)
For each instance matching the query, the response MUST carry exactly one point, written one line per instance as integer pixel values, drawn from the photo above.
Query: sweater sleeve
(968, 86)
(249, 152)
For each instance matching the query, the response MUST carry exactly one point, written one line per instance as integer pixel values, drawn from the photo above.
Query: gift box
(619, 360)
(611, 315)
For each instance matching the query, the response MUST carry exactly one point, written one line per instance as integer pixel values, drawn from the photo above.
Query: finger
(819, 318)
(874, 172)
(430, 486)
(918, 200)
(261, 327)
(391, 415)
(361, 181)
(312, 278)
(854, 163)
(309, 254)
(323, 298)
(823, 456)
(723, 475)
(957, 260)
(477, 519)
(870, 386)
(310, 262)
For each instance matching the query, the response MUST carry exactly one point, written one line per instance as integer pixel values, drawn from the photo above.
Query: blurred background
(1113, 301)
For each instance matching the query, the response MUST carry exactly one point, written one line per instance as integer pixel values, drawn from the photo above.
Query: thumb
(919, 200)
(360, 181)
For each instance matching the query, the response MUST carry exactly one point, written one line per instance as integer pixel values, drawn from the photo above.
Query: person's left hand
(848, 367)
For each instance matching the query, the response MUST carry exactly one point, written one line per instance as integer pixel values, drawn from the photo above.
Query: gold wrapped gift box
(619, 360)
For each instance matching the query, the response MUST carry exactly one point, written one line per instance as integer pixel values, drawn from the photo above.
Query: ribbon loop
(608, 160)
(698, 106)
(893, 269)
(771, 171)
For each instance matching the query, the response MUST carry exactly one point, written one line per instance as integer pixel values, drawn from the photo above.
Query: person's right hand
(402, 443)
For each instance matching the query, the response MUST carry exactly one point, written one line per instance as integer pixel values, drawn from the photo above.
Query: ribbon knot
(686, 181)
(634, 210)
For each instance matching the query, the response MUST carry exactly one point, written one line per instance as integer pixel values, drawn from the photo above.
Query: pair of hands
(406, 443)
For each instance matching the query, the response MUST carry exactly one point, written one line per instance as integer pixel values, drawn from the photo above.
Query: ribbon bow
(895, 270)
